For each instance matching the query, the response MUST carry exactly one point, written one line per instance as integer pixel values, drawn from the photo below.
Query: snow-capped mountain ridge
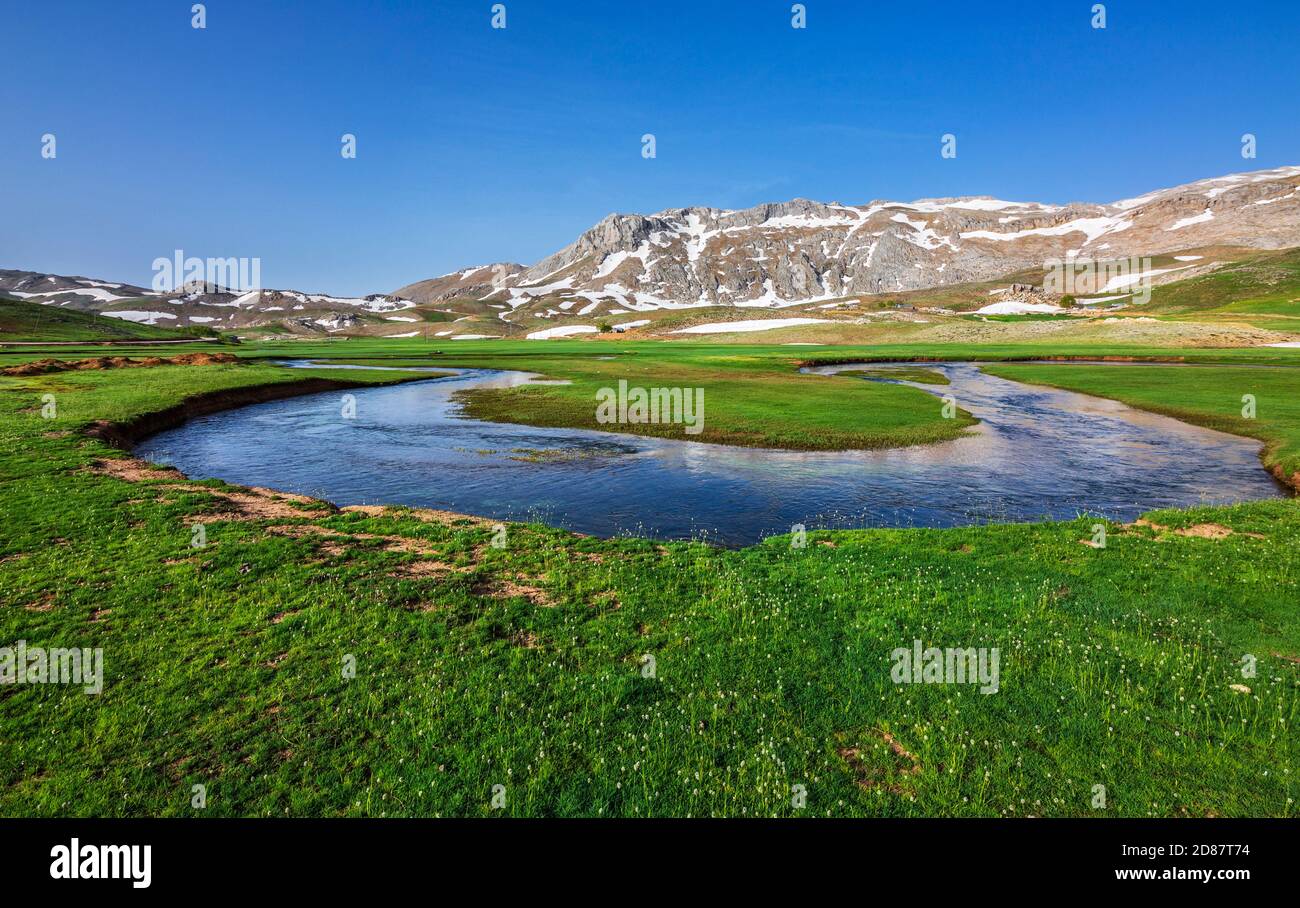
(802, 251)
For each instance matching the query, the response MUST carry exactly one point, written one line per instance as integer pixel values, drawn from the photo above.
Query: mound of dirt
(46, 366)
(202, 359)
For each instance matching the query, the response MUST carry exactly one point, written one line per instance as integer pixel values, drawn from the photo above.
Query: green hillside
(1267, 284)
(23, 321)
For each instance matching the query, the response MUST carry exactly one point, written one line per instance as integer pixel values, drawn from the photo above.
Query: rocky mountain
(801, 251)
(76, 292)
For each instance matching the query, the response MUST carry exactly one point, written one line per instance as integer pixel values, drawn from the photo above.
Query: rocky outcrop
(473, 283)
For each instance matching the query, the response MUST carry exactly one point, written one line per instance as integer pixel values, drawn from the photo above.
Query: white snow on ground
(636, 324)
(1189, 258)
(1285, 344)
(399, 318)
(245, 299)
(202, 319)
(380, 304)
(1092, 300)
(614, 259)
(94, 292)
(1206, 215)
(461, 275)
(1128, 280)
(758, 324)
(970, 204)
(1136, 201)
(989, 204)
(926, 238)
(627, 300)
(411, 334)
(1220, 190)
(769, 299)
(1289, 195)
(468, 271)
(441, 333)
(901, 218)
(133, 315)
(474, 337)
(1017, 308)
(562, 331)
(1092, 227)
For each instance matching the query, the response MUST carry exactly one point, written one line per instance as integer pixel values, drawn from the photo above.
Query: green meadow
(310, 661)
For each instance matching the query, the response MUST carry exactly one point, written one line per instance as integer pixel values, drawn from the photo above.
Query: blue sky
(477, 145)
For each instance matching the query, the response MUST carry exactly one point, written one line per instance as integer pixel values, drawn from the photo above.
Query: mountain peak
(802, 250)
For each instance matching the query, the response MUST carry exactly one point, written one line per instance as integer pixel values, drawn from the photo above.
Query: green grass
(902, 373)
(526, 354)
(1267, 283)
(522, 666)
(747, 401)
(24, 321)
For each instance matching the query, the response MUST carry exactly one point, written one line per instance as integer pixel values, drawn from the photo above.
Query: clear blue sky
(479, 145)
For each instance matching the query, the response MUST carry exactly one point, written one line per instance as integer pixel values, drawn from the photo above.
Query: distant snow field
(757, 324)
(146, 318)
(1093, 300)
(1124, 281)
(102, 296)
(562, 331)
(1017, 308)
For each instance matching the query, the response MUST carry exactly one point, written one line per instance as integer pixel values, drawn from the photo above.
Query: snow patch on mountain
(1206, 215)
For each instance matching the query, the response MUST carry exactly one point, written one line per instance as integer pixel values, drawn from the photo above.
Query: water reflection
(1037, 453)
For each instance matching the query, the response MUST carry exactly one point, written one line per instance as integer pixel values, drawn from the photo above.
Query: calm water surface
(1038, 453)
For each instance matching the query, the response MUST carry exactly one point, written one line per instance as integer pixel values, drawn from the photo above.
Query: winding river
(1037, 453)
